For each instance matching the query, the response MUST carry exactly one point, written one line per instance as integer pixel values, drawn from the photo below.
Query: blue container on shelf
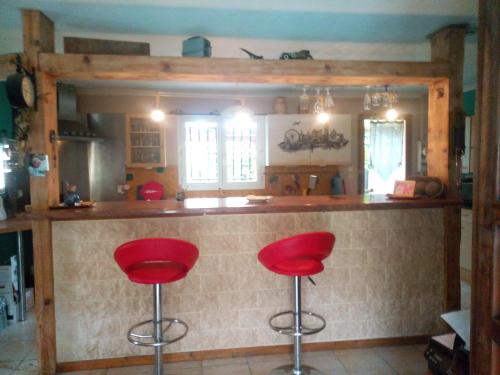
(196, 46)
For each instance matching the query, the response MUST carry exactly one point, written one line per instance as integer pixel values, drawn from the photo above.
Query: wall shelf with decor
(145, 142)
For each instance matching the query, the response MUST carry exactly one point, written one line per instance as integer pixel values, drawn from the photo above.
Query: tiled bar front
(384, 279)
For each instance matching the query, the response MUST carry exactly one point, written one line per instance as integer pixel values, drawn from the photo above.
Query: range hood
(71, 125)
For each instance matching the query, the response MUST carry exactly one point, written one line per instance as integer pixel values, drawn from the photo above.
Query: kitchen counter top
(236, 205)
(15, 225)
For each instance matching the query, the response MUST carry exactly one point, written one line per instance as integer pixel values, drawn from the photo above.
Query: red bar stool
(156, 261)
(297, 256)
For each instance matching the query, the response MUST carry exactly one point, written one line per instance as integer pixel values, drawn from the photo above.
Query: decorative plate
(258, 198)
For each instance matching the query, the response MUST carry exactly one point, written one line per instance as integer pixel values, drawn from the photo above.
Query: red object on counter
(152, 191)
(156, 260)
(300, 255)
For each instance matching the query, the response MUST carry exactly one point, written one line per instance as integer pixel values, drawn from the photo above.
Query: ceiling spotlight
(391, 114)
(157, 115)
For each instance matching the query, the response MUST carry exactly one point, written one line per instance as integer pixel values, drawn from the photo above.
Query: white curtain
(386, 147)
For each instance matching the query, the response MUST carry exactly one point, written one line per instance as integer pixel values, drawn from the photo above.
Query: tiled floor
(18, 348)
(18, 357)
(394, 360)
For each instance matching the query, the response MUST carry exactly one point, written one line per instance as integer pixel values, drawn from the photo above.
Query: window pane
(201, 152)
(241, 149)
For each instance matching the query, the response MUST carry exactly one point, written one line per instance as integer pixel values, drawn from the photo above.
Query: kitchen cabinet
(145, 142)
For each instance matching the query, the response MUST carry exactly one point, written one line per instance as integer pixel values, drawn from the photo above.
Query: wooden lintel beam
(7, 65)
(110, 67)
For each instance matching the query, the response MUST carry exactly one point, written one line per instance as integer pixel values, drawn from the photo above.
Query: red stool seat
(300, 255)
(156, 260)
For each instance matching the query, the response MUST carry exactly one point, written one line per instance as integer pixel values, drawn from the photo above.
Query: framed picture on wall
(301, 139)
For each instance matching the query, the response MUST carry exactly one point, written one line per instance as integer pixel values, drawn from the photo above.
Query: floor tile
(185, 371)
(240, 369)
(184, 364)
(224, 362)
(403, 359)
(9, 364)
(327, 365)
(132, 370)
(283, 358)
(29, 366)
(363, 361)
(15, 350)
(87, 372)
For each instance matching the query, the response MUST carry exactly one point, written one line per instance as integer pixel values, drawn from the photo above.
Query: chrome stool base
(304, 330)
(288, 370)
(149, 340)
(297, 330)
(157, 339)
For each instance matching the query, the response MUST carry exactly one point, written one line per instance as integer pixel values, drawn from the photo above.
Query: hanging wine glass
(367, 100)
(376, 99)
(318, 106)
(394, 98)
(304, 101)
(329, 103)
(386, 100)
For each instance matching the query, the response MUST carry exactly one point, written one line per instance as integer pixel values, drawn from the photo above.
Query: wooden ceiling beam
(189, 69)
(7, 65)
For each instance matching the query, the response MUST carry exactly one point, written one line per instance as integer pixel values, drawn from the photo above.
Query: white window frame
(222, 184)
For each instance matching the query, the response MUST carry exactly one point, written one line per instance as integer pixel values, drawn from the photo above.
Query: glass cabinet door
(145, 142)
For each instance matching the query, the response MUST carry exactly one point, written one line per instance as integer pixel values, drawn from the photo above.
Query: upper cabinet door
(145, 142)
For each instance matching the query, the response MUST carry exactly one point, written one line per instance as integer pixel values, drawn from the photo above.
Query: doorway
(384, 154)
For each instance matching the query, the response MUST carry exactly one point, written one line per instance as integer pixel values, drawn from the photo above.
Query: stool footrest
(303, 331)
(149, 340)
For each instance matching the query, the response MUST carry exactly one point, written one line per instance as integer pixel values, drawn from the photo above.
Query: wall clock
(21, 88)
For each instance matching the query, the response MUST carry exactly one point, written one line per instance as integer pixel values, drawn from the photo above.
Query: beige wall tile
(370, 238)
(384, 278)
(237, 224)
(276, 222)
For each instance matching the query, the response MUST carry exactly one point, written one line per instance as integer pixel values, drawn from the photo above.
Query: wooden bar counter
(237, 205)
(384, 280)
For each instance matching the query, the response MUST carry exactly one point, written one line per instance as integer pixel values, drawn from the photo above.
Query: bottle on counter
(180, 194)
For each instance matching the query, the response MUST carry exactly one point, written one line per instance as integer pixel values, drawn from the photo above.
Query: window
(218, 152)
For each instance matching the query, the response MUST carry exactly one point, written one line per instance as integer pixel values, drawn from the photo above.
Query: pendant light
(240, 111)
(157, 114)
(391, 114)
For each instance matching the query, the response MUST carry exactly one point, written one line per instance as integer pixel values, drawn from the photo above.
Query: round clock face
(28, 91)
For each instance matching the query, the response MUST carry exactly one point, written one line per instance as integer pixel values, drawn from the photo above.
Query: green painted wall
(469, 102)
(8, 243)
(5, 111)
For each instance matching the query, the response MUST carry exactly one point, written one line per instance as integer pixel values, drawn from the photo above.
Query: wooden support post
(445, 118)
(44, 296)
(446, 114)
(485, 317)
(38, 36)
